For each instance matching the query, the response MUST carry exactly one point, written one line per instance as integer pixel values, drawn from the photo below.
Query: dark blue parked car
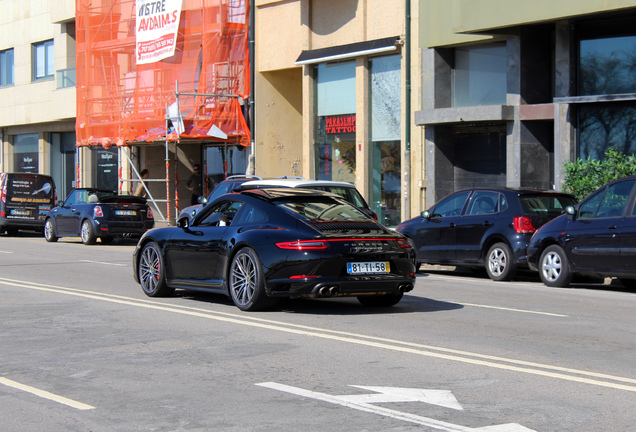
(483, 227)
(596, 238)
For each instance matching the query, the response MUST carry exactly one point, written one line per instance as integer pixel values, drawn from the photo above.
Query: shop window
(386, 138)
(336, 121)
(63, 161)
(105, 165)
(26, 153)
(480, 75)
(6, 67)
(43, 60)
(224, 161)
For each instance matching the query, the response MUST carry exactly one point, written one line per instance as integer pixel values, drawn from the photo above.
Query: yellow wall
(448, 22)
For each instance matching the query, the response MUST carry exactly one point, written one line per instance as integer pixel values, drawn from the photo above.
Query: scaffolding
(121, 103)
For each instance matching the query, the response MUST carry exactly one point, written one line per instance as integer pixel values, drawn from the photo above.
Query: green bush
(585, 176)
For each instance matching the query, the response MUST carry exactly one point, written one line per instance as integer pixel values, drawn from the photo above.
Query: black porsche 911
(98, 213)
(257, 246)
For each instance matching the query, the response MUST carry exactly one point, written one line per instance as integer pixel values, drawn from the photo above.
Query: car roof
(296, 183)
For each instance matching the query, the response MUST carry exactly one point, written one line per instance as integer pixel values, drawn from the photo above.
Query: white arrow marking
(442, 398)
(424, 421)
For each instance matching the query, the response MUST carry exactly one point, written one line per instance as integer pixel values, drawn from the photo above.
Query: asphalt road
(83, 349)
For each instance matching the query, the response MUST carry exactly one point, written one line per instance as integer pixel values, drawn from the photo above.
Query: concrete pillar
(564, 132)
(308, 119)
(513, 98)
(364, 170)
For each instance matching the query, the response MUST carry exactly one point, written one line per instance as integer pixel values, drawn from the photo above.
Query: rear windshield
(541, 205)
(321, 209)
(349, 193)
(29, 189)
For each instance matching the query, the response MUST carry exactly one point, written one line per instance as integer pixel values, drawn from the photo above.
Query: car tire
(151, 272)
(87, 234)
(383, 300)
(246, 283)
(499, 263)
(554, 268)
(49, 231)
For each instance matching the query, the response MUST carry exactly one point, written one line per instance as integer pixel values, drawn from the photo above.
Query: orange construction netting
(120, 102)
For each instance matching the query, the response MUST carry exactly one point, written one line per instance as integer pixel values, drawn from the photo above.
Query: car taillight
(97, 212)
(303, 245)
(375, 216)
(149, 215)
(523, 225)
(405, 244)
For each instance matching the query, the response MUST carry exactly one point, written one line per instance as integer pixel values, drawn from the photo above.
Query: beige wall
(27, 102)
(449, 22)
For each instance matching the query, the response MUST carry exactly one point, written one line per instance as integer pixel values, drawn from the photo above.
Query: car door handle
(452, 225)
(611, 228)
(487, 224)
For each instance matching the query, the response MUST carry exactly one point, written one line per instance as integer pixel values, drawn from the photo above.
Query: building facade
(333, 99)
(37, 87)
(512, 90)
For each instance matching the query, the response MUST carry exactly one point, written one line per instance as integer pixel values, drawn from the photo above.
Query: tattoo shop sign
(157, 26)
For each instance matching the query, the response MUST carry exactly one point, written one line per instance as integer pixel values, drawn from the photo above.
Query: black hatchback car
(596, 238)
(483, 227)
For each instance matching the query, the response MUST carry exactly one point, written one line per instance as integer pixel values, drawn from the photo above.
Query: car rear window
(541, 205)
(350, 194)
(321, 209)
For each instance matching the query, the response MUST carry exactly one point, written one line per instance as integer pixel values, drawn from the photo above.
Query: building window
(6, 67)
(607, 65)
(43, 60)
(605, 126)
(480, 75)
(336, 121)
(386, 132)
(26, 153)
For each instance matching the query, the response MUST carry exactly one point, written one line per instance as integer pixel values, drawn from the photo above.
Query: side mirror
(571, 211)
(203, 200)
(426, 214)
(60, 203)
(183, 222)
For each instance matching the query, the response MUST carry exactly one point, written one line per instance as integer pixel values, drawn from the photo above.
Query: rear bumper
(339, 287)
(27, 224)
(122, 229)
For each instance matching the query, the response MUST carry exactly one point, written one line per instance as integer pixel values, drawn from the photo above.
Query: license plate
(125, 212)
(368, 267)
(20, 212)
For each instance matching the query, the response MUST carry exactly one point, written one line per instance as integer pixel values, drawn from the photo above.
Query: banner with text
(157, 27)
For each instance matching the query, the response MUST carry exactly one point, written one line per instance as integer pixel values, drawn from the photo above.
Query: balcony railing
(65, 78)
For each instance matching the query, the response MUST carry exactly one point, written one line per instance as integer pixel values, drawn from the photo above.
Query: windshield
(321, 209)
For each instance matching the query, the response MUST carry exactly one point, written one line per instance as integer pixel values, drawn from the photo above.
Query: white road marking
(46, 395)
(509, 309)
(412, 418)
(6, 252)
(443, 398)
(545, 370)
(103, 262)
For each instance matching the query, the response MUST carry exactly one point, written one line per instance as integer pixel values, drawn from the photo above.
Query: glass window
(26, 152)
(483, 202)
(6, 67)
(480, 75)
(609, 202)
(606, 65)
(335, 134)
(386, 138)
(105, 163)
(43, 60)
(545, 205)
(224, 161)
(318, 209)
(222, 214)
(451, 206)
(249, 215)
(604, 126)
